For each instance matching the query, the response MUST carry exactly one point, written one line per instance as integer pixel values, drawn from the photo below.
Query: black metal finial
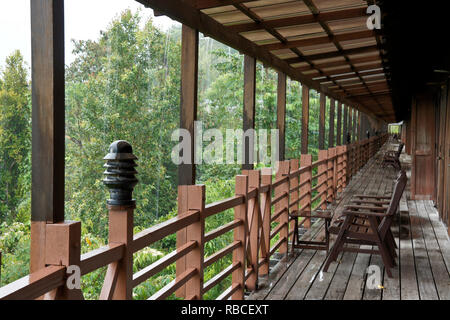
(120, 173)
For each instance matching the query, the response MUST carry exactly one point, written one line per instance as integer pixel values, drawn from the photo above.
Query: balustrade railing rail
(260, 228)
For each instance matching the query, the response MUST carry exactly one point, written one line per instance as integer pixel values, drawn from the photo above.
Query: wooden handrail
(162, 263)
(222, 229)
(230, 291)
(220, 206)
(101, 257)
(335, 167)
(220, 277)
(174, 285)
(148, 236)
(221, 253)
(34, 285)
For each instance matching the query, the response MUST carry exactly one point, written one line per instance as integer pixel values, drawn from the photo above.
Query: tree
(15, 136)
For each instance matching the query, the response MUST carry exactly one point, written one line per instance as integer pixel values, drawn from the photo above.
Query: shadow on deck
(423, 249)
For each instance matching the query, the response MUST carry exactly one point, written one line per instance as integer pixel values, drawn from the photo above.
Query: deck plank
(438, 268)
(408, 289)
(423, 254)
(427, 288)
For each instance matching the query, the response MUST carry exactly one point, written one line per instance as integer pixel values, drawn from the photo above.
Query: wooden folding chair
(306, 244)
(393, 157)
(368, 224)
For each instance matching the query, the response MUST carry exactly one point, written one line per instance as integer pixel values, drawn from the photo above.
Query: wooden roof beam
(300, 20)
(335, 54)
(207, 4)
(340, 63)
(186, 14)
(320, 40)
(278, 36)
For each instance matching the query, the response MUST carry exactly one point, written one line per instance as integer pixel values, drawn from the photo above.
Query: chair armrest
(369, 208)
(363, 213)
(374, 202)
(371, 196)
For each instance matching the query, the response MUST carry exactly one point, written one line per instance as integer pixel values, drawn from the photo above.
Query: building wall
(428, 135)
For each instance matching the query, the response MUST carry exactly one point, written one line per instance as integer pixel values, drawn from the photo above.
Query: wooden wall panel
(423, 182)
(440, 149)
(446, 205)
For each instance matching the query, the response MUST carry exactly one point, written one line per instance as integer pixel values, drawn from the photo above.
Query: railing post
(283, 170)
(294, 183)
(266, 204)
(120, 180)
(196, 232)
(253, 218)
(240, 234)
(305, 202)
(62, 247)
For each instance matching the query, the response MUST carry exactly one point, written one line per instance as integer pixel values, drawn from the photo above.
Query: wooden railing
(260, 228)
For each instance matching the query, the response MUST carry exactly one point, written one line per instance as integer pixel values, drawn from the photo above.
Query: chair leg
(391, 242)
(294, 236)
(338, 243)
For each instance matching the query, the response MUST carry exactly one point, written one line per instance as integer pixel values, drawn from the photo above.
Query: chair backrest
(400, 149)
(399, 187)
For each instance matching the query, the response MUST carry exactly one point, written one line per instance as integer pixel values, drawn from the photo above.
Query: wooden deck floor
(423, 249)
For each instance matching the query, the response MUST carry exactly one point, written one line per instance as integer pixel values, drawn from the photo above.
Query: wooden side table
(304, 244)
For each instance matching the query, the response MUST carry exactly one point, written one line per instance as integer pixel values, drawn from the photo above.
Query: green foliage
(15, 137)
(125, 85)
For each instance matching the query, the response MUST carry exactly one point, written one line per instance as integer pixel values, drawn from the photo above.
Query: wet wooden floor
(423, 249)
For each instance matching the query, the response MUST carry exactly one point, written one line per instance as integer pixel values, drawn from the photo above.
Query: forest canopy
(126, 85)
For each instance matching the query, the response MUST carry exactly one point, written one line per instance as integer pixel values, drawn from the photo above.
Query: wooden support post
(196, 232)
(344, 166)
(323, 106)
(355, 125)
(339, 125)
(283, 170)
(305, 119)
(322, 179)
(121, 231)
(188, 98)
(249, 111)
(240, 234)
(360, 127)
(188, 116)
(48, 137)
(331, 143)
(345, 126)
(253, 218)
(63, 248)
(281, 114)
(120, 180)
(349, 126)
(305, 203)
(294, 184)
(266, 205)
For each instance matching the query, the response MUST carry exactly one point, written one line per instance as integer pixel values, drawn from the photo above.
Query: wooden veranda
(423, 247)
(371, 76)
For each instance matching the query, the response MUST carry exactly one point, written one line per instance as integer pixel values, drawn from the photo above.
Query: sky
(83, 20)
